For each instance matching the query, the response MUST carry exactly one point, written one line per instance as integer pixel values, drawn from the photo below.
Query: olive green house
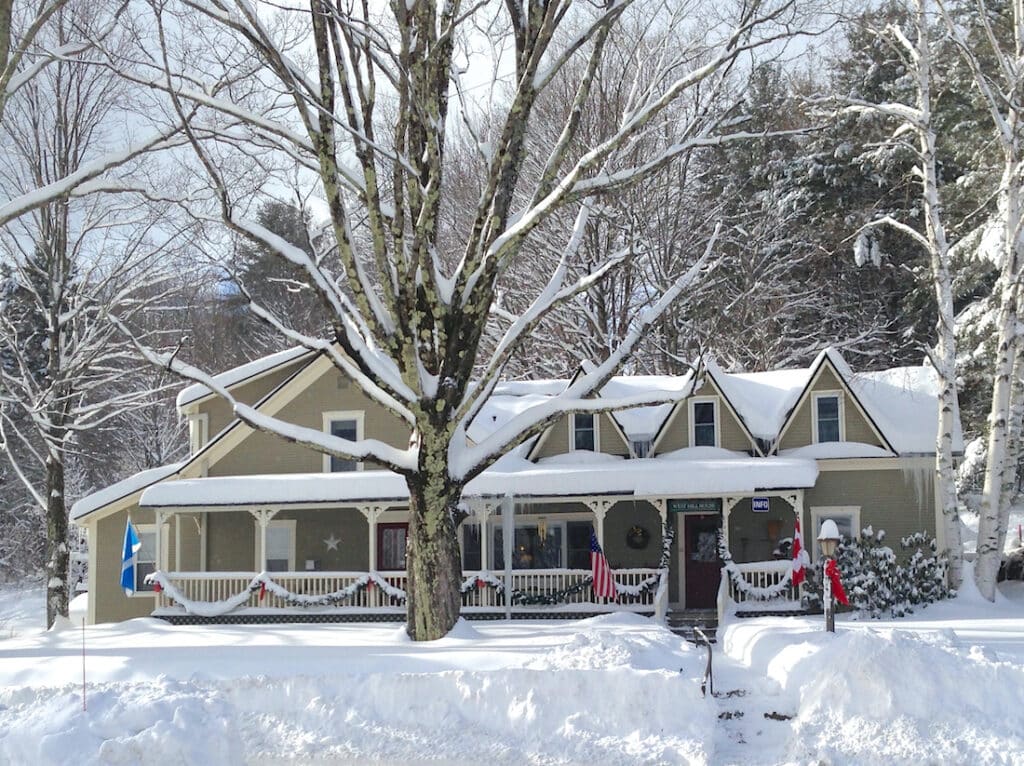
(251, 527)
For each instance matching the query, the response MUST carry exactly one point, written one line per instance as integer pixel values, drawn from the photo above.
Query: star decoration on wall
(332, 542)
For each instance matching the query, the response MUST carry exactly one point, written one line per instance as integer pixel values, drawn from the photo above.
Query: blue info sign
(759, 504)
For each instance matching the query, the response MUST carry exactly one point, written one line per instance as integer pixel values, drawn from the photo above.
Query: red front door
(702, 562)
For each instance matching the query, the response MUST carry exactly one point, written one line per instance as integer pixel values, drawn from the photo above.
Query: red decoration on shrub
(480, 583)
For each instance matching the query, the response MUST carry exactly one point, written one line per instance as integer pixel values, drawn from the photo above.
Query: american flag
(604, 583)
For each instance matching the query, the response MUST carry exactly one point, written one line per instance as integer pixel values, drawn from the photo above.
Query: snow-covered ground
(943, 686)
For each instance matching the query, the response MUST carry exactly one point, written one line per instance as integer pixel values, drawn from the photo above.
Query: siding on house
(263, 453)
(800, 430)
(556, 441)
(219, 412)
(900, 502)
(750, 537)
(112, 605)
(677, 431)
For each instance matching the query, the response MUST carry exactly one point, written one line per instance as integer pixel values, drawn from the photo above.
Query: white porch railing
(761, 585)
(202, 592)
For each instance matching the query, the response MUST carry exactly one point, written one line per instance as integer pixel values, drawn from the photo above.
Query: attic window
(705, 426)
(828, 418)
(584, 432)
(345, 425)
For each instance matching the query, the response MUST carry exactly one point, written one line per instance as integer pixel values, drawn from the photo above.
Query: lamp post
(828, 539)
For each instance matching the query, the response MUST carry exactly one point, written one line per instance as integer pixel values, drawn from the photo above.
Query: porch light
(828, 539)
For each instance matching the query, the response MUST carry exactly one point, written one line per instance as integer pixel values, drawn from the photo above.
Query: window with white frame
(828, 417)
(846, 517)
(280, 546)
(703, 423)
(145, 559)
(345, 425)
(198, 431)
(584, 431)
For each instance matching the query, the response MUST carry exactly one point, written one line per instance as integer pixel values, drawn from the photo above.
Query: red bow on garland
(832, 572)
(263, 590)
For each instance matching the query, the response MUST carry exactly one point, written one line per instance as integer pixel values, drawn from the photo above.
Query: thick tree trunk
(56, 542)
(434, 558)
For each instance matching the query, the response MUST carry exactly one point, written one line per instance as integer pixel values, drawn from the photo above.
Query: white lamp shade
(829, 531)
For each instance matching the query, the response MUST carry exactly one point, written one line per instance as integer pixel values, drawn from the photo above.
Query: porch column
(727, 506)
(372, 513)
(599, 507)
(263, 517)
(161, 517)
(797, 501)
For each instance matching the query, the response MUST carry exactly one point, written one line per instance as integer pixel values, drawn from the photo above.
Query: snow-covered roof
(555, 477)
(243, 373)
(123, 488)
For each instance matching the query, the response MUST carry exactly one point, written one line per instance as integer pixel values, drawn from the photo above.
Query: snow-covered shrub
(881, 584)
(1012, 567)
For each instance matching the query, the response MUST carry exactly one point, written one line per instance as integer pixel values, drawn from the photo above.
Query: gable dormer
(829, 410)
(705, 418)
(597, 432)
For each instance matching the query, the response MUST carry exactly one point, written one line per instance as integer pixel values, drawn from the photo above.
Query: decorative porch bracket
(372, 513)
(263, 517)
(599, 506)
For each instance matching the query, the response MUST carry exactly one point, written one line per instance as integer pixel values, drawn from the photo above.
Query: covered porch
(306, 551)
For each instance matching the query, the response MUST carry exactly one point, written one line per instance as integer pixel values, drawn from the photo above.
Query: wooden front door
(702, 562)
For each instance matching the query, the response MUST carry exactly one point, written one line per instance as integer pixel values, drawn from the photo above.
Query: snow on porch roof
(657, 477)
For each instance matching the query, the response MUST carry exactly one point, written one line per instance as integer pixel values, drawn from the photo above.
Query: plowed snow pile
(606, 690)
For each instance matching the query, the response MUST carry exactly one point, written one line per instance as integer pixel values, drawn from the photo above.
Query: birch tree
(915, 122)
(362, 98)
(1001, 87)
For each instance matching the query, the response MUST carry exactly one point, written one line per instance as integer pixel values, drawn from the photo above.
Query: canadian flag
(800, 560)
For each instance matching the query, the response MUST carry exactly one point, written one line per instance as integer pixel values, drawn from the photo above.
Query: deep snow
(945, 685)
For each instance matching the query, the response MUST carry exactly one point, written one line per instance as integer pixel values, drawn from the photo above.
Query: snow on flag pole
(129, 555)
(604, 583)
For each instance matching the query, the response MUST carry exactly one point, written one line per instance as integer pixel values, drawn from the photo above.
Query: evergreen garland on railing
(744, 587)
(262, 583)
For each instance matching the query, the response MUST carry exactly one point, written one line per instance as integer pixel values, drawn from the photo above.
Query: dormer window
(345, 425)
(584, 432)
(704, 423)
(828, 418)
(198, 431)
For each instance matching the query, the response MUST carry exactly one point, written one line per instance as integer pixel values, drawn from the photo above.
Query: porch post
(599, 507)
(160, 516)
(372, 513)
(508, 526)
(263, 517)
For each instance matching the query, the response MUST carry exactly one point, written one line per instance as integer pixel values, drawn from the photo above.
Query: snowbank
(613, 689)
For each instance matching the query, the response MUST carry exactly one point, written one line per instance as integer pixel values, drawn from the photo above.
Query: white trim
(150, 529)
(840, 407)
(285, 523)
(820, 512)
(597, 431)
(198, 431)
(716, 408)
(359, 416)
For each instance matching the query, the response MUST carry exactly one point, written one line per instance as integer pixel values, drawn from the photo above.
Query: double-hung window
(584, 431)
(705, 426)
(828, 418)
(145, 559)
(345, 425)
(846, 517)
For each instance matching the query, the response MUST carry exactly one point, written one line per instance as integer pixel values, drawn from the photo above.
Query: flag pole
(83, 663)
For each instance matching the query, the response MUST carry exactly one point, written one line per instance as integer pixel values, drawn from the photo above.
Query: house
(251, 528)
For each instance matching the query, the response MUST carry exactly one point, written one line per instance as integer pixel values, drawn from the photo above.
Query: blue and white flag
(129, 556)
